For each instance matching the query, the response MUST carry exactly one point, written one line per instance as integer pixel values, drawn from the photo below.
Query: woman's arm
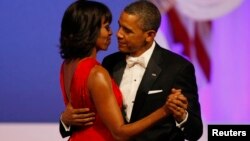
(99, 84)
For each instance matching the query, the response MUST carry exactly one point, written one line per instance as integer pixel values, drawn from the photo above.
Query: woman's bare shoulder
(99, 70)
(99, 74)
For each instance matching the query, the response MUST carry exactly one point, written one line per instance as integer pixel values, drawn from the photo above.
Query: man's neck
(142, 50)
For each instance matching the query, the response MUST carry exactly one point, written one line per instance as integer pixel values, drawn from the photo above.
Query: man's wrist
(180, 124)
(66, 127)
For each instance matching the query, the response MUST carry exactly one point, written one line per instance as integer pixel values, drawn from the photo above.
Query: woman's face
(104, 37)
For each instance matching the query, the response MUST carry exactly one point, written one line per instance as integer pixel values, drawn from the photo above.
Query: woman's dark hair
(80, 28)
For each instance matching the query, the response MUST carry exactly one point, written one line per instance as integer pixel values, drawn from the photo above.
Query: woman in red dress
(85, 30)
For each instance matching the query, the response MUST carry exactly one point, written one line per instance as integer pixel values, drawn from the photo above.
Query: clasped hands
(177, 104)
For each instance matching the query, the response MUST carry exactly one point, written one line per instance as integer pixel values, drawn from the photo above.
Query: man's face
(131, 38)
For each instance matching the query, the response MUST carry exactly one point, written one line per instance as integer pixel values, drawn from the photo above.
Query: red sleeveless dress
(80, 98)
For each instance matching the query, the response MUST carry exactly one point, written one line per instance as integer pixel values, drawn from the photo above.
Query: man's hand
(177, 103)
(77, 117)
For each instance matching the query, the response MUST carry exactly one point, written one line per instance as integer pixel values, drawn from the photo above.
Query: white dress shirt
(131, 80)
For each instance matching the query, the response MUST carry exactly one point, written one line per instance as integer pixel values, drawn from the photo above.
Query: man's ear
(150, 35)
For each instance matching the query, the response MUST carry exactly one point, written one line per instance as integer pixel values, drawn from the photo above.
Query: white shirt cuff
(66, 128)
(179, 125)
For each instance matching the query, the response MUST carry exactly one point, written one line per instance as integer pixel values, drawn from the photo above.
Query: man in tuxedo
(146, 74)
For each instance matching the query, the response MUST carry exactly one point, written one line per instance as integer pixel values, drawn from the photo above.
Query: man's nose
(119, 33)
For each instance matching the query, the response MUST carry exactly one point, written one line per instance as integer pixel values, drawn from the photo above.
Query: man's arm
(186, 81)
(74, 117)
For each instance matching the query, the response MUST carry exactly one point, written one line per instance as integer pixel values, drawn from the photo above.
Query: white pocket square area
(154, 91)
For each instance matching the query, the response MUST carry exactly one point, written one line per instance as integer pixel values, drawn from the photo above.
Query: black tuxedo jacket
(165, 70)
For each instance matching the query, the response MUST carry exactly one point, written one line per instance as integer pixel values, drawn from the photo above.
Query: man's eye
(126, 30)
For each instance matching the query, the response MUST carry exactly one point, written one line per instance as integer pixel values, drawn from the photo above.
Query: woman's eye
(107, 28)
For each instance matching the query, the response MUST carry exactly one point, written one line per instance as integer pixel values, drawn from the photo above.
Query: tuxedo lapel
(151, 74)
(118, 71)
